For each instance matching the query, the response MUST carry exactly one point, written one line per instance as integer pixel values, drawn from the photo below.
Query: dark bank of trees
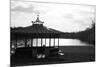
(87, 36)
(14, 28)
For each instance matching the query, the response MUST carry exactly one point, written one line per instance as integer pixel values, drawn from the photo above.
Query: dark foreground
(72, 54)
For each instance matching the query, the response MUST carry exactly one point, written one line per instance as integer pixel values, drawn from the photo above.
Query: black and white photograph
(43, 33)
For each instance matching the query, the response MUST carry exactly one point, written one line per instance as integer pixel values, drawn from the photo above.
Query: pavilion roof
(34, 29)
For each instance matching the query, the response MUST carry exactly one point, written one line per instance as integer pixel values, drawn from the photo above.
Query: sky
(62, 17)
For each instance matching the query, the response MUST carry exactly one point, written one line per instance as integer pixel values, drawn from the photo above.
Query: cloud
(27, 7)
(69, 16)
(23, 9)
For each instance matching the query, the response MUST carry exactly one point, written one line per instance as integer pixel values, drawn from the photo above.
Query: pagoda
(35, 31)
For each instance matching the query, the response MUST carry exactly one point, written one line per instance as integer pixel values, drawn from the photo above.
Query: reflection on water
(72, 42)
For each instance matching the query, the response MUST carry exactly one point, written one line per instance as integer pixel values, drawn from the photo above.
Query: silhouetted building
(35, 31)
